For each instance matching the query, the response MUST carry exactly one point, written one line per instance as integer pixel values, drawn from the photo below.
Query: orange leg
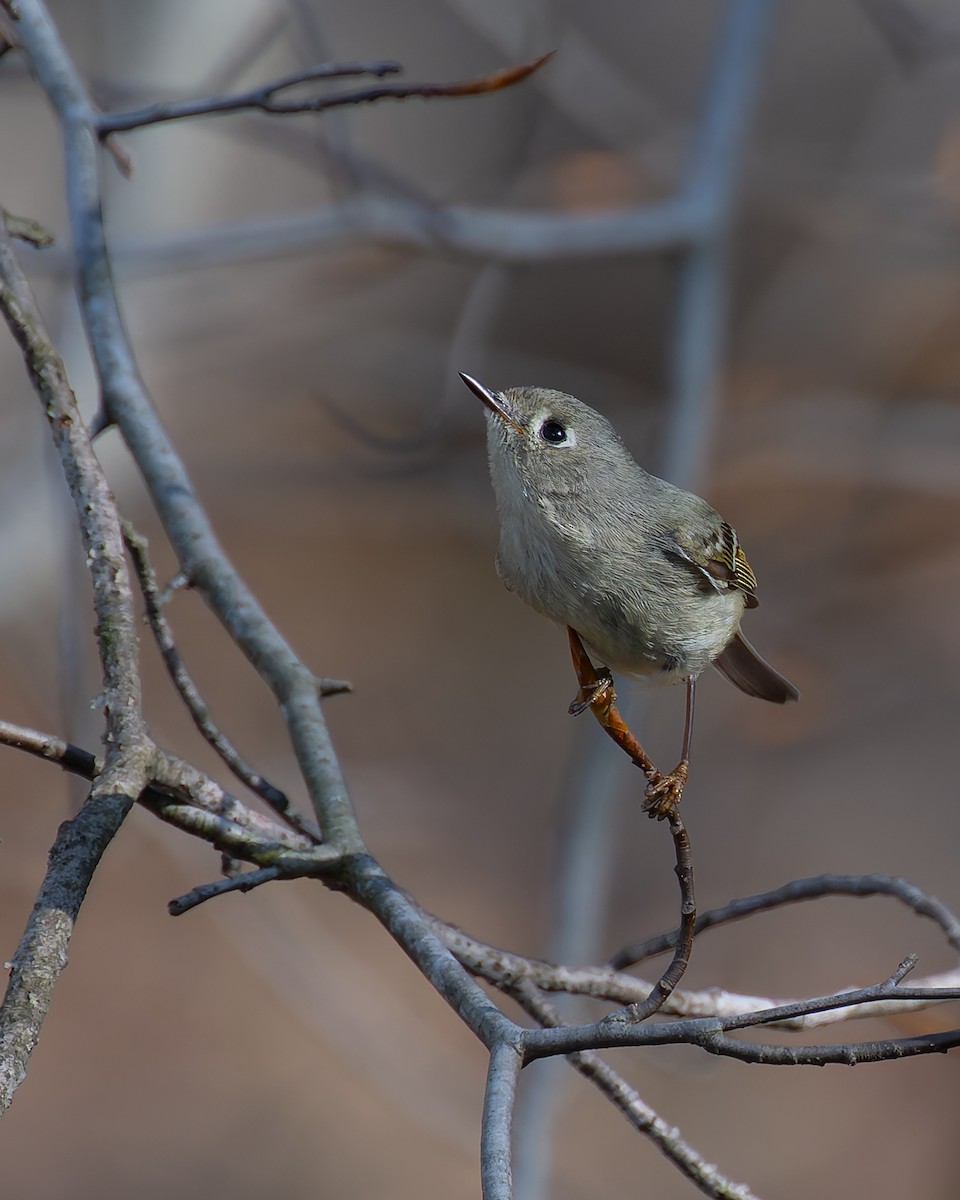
(597, 693)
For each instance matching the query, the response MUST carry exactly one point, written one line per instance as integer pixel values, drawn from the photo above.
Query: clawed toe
(596, 691)
(663, 794)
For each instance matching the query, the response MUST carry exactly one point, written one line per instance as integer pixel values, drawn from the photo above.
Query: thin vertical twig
(683, 943)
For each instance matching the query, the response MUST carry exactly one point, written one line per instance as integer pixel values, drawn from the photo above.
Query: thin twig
(714, 1033)
(231, 824)
(263, 98)
(811, 888)
(597, 694)
(244, 882)
(26, 229)
(903, 970)
(684, 935)
(47, 745)
(189, 693)
(505, 970)
(665, 1137)
(845, 1054)
(172, 776)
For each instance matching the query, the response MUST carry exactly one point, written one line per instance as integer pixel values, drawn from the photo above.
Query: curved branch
(506, 971)
(845, 1054)
(661, 991)
(129, 406)
(811, 888)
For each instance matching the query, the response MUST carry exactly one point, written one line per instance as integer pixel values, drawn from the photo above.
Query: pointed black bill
(492, 400)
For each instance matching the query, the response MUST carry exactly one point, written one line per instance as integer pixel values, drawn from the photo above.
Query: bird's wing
(719, 557)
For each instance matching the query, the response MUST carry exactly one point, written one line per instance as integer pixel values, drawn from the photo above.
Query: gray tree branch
(80, 842)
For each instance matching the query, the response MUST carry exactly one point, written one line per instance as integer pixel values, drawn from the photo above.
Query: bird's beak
(493, 401)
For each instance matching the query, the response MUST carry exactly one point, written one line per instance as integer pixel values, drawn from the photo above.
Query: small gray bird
(650, 577)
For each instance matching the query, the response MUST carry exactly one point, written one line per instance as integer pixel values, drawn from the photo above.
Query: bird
(649, 579)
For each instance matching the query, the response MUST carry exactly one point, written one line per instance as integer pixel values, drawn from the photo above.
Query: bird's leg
(596, 684)
(663, 794)
(597, 693)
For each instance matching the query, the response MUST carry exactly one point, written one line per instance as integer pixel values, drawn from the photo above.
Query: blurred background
(796, 359)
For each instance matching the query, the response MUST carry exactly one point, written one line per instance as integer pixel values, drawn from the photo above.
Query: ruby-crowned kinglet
(650, 576)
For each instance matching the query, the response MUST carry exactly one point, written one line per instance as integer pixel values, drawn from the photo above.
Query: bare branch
(181, 796)
(811, 888)
(665, 985)
(847, 1054)
(42, 953)
(667, 1139)
(129, 406)
(405, 922)
(264, 98)
(80, 843)
(47, 745)
(261, 98)
(499, 1102)
(262, 838)
(96, 511)
(244, 882)
(713, 1034)
(506, 971)
(332, 687)
(26, 229)
(196, 705)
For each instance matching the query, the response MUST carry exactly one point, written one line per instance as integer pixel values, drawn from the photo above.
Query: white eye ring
(554, 432)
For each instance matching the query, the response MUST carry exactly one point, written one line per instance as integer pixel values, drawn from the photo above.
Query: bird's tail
(752, 674)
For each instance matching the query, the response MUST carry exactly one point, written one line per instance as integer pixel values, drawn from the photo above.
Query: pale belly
(663, 642)
(668, 630)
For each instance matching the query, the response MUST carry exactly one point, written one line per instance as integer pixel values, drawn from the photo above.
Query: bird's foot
(597, 693)
(664, 792)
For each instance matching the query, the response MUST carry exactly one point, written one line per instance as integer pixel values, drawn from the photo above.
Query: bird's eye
(553, 432)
